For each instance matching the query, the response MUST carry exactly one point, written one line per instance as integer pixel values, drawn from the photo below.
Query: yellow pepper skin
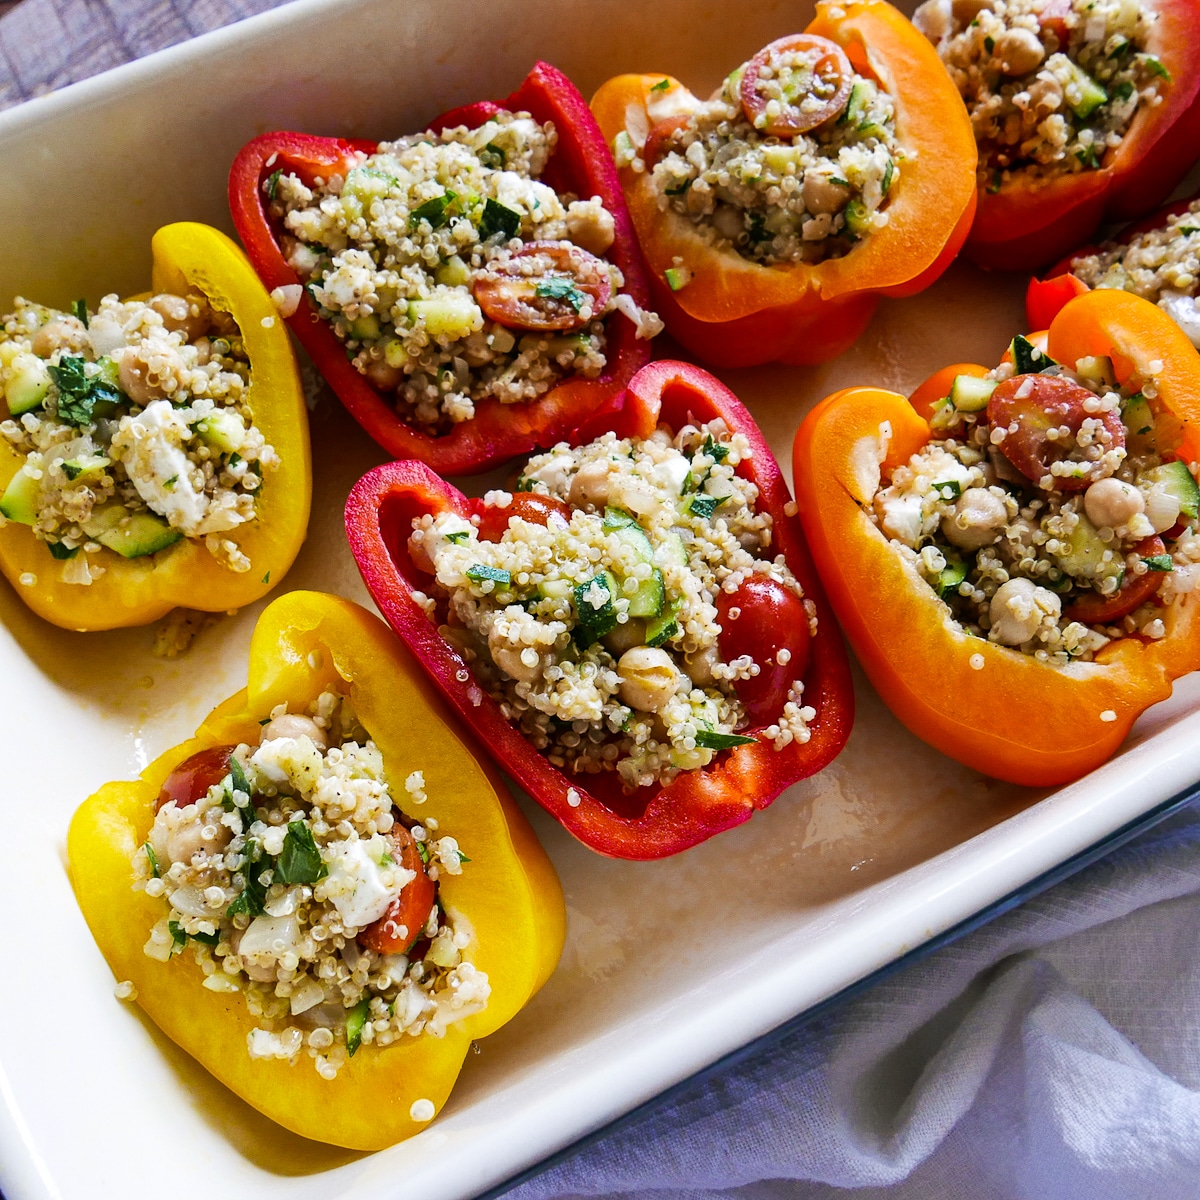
(188, 257)
(306, 643)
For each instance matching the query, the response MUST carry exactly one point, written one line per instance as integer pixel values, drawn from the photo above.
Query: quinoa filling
(1048, 512)
(289, 879)
(791, 161)
(599, 605)
(1051, 85)
(1161, 265)
(452, 273)
(135, 428)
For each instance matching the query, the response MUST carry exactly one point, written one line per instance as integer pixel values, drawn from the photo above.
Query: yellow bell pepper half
(188, 257)
(306, 643)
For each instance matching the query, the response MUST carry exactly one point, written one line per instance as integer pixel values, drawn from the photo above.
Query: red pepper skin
(652, 822)
(1020, 228)
(581, 164)
(1046, 296)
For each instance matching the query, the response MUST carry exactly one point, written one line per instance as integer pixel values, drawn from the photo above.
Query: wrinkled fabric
(1052, 1055)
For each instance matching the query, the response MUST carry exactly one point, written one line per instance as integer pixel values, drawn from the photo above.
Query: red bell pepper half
(651, 822)
(581, 164)
(1021, 226)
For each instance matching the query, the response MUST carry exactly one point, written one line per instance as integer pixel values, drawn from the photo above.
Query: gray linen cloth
(1053, 1055)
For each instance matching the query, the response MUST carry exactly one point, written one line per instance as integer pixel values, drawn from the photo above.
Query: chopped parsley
(61, 551)
(661, 85)
(178, 937)
(1155, 66)
(714, 450)
(709, 739)
(252, 898)
(1089, 156)
(155, 870)
(1185, 229)
(558, 287)
(948, 489)
(356, 1020)
(481, 571)
(989, 44)
(78, 393)
(423, 851)
(434, 211)
(888, 175)
(498, 218)
(704, 506)
(267, 577)
(458, 536)
(1123, 90)
(79, 309)
(492, 156)
(238, 775)
(299, 861)
(1160, 562)
(679, 191)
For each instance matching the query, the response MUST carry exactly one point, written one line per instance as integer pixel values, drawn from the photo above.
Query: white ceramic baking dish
(669, 965)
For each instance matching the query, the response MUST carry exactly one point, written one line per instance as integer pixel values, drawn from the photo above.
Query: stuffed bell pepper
(155, 451)
(470, 292)
(1158, 259)
(635, 632)
(324, 896)
(835, 167)
(1085, 111)
(1014, 553)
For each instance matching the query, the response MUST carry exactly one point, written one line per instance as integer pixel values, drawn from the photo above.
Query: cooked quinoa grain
(791, 161)
(1051, 85)
(587, 603)
(1047, 511)
(284, 882)
(452, 272)
(135, 429)
(1161, 265)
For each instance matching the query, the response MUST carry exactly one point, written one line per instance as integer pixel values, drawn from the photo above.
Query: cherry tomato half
(194, 776)
(771, 619)
(529, 506)
(404, 920)
(660, 135)
(1094, 609)
(817, 91)
(1029, 408)
(551, 286)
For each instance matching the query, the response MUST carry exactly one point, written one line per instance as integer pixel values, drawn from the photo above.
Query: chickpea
(1110, 503)
(727, 221)
(590, 485)
(522, 663)
(1019, 51)
(934, 19)
(627, 636)
(132, 372)
(294, 725)
(699, 666)
(821, 194)
(189, 315)
(58, 335)
(965, 11)
(590, 225)
(384, 376)
(1162, 508)
(185, 841)
(648, 678)
(979, 517)
(1017, 610)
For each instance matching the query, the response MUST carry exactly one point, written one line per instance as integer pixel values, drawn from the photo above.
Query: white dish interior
(662, 973)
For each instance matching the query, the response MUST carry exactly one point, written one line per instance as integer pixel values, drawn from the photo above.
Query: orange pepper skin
(1009, 715)
(305, 643)
(1021, 228)
(189, 257)
(735, 312)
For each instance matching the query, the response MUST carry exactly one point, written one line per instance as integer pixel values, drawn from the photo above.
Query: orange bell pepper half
(735, 312)
(994, 708)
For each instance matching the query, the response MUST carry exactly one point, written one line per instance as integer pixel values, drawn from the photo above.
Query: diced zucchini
(857, 218)
(1115, 278)
(366, 328)
(969, 393)
(677, 278)
(671, 552)
(366, 184)
(1098, 368)
(20, 500)
(131, 535)
(856, 105)
(394, 353)
(223, 429)
(453, 272)
(1087, 556)
(650, 598)
(779, 158)
(1175, 479)
(1138, 416)
(595, 621)
(85, 466)
(27, 386)
(452, 315)
(950, 576)
(554, 589)
(1091, 94)
(634, 537)
(665, 626)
